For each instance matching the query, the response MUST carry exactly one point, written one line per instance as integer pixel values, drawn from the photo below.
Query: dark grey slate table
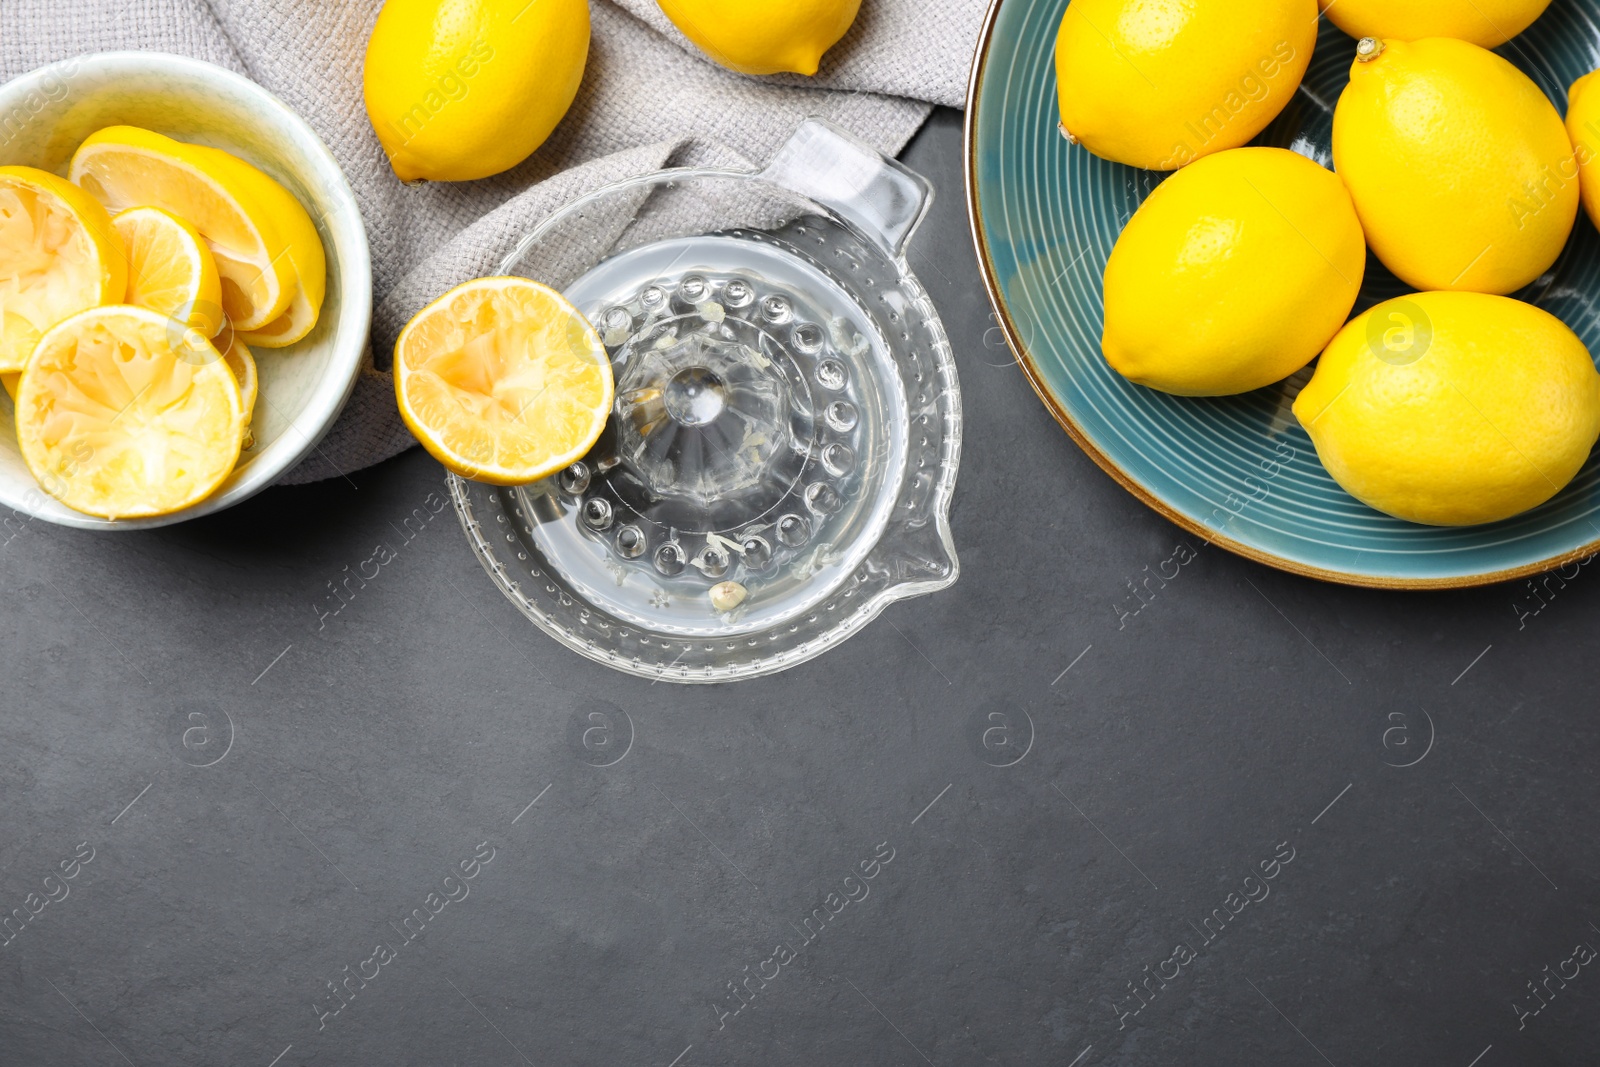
(1232, 817)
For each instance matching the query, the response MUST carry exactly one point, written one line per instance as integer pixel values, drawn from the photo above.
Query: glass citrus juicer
(779, 461)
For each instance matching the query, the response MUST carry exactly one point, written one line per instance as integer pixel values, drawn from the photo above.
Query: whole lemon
(1459, 166)
(764, 36)
(1233, 274)
(1583, 128)
(1484, 22)
(1160, 83)
(462, 89)
(1453, 408)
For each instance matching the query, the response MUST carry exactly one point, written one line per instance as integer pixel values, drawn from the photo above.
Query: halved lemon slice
(242, 362)
(311, 276)
(259, 234)
(123, 413)
(503, 381)
(170, 269)
(293, 324)
(58, 255)
(237, 355)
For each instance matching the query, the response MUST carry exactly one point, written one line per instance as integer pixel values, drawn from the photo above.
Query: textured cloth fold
(649, 99)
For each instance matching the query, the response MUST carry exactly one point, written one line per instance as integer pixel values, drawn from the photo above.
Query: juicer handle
(884, 199)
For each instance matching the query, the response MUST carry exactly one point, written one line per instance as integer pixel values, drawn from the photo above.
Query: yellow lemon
(1160, 83)
(1583, 127)
(122, 416)
(170, 270)
(462, 89)
(58, 255)
(1459, 166)
(503, 381)
(764, 36)
(1453, 408)
(265, 245)
(1483, 22)
(1233, 274)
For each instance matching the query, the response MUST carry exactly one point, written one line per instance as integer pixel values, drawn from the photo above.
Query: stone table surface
(1239, 818)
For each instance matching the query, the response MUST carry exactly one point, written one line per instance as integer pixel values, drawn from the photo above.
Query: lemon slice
(311, 276)
(503, 381)
(170, 269)
(237, 355)
(292, 325)
(243, 364)
(58, 256)
(259, 234)
(123, 413)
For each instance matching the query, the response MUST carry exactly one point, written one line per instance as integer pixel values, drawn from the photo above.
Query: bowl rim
(1036, 379)
(324, 405)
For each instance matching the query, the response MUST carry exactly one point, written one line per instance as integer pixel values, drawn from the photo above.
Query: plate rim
(1030, 369)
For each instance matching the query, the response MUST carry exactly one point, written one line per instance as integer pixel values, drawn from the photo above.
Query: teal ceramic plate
(1238, 471)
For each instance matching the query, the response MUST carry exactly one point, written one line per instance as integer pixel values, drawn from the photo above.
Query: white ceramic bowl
(46, 114)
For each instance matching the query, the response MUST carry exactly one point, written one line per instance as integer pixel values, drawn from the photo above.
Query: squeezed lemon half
(124, 413)
(265, 245)
(58, 255)
(503, 381)
(170, 270)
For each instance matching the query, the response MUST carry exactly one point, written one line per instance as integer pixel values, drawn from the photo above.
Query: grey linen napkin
(649, 100)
